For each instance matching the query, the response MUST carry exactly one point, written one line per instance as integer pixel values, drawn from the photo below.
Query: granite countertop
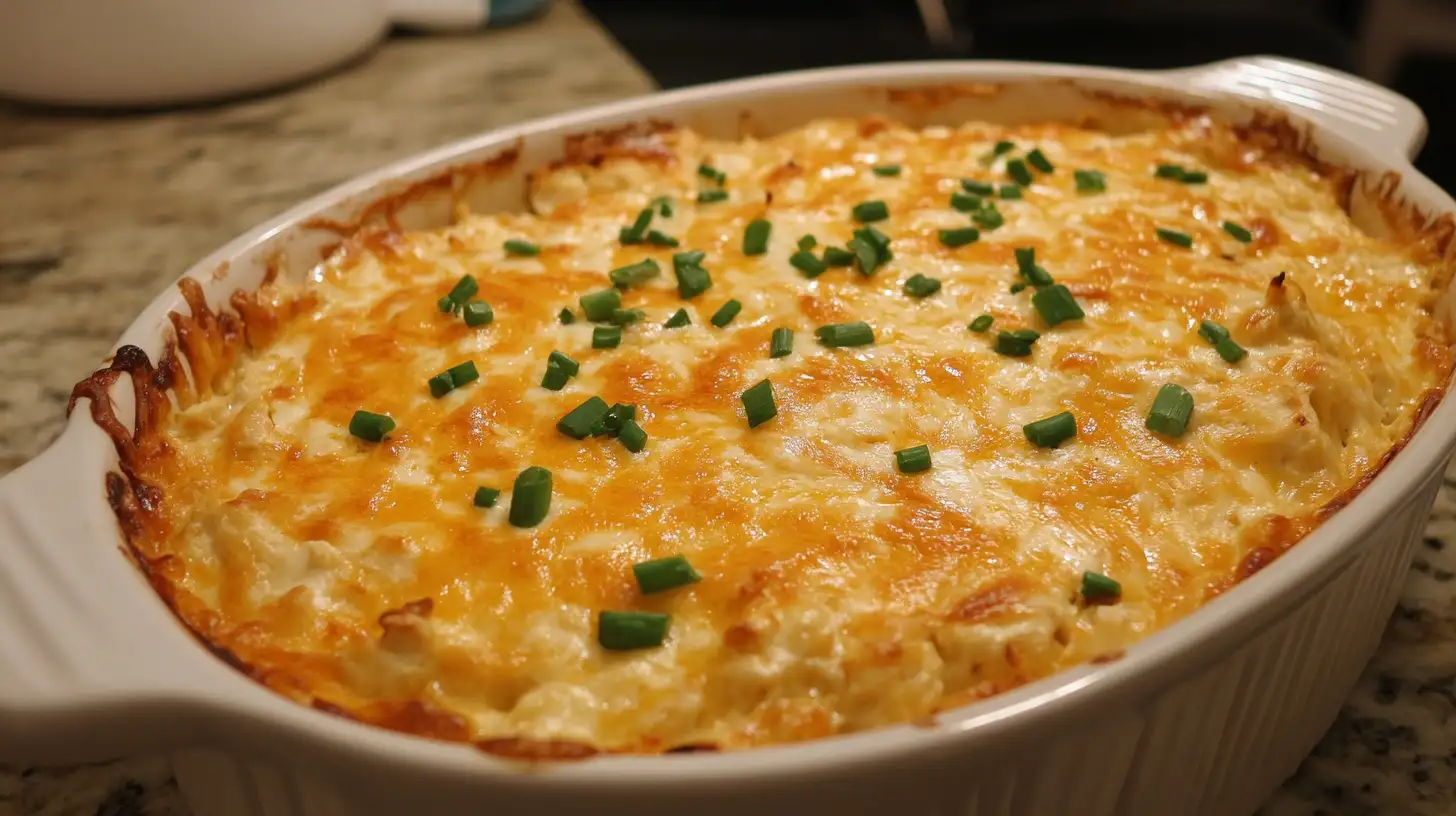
(101, 211)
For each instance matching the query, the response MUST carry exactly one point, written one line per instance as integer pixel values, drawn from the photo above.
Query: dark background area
(684, 42)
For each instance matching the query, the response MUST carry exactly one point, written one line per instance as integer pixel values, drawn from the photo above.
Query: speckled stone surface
(98, 213)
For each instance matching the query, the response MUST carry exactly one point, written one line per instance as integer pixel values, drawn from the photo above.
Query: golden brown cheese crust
(838, 594)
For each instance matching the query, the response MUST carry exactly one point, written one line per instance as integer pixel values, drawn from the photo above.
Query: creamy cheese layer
(837, 593)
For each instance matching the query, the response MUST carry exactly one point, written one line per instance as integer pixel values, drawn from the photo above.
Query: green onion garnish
(692, 278)
(1090, 181)
(1038, 159)
(726, 313)
(988, 218)
(1098, 587)
(464, 289)
(632, 275)
(781, 343)
(486, 496)
(521, 247)
(981, 188)
(1027, 267)
(868, 211)
(712, 196)
(913, 460)
(838, 256)
(920, 286)
(807, 242)
(613, 420)
(561, 361)
(1016, 343)
(446, 305)
(1001, 149)
(453, 378)
(1240, 234)
(679, 319)
(1018, 286)
(605, 337)
(758, 404)
(624, 631)
(1010, 192)
(1017, 170)
(565, 316)
(661, 239)
(440, 385)
(1172, 408)
(554, 379)
(707, 171)
(663, 205)
(1212, 332)
(626, 317)
(662, 574)
(1056, 305)
(1177, 172)
(886, 170)
(871, 248)
(965, 202)
(836, 335)
(531, 497)
(577, 423)
(1194, 177)
(635, 233)
(1218, 337)
(631, 435)
(981, 323)
(1052, 431)
(478, 313)
(808, 263)
(598, 306)
(959, 237)
(755, 236)
(1181, 239)
(370, 427)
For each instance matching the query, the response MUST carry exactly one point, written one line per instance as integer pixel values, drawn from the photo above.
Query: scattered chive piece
(1240, 234)
(867, 211)
(1169, 171)
(663, 205)
(871, 248)
(1010, 192)
(982, 323)
(1098, 587)
(531, 496)
(632, 275)
(463, 291)
(1090, 181)
(624, 631)
(913, 460)
(486, 496)
(599, 305)
(631, 435)
(565, 316)
(614, 418)
(965, 202)
(635, 233)
(712, 196)
(441, 384)
(554, 379)
(1195, 177)
(692, 278)
(781, 343)
(370, 427)
(445, 304)
(1181, 239)
(662, 574)
(707, 171)
(577, 423)
(808, 263)
(679, 319)
(758, 404)
(755, 236)
(1212, 332)
(1056, 305)
(1016, 343)
(920, 286)
(1018, 286)
(886, 170)
(464, 374)
(726, 313)
(626, 317)
(838, 256)
(989, 218)
(478, 313)
(959, 237)
(1172, 408)
(521, 247)
(808, 242)
(561, 361)
(605, 337)
(1052, 431)
(1030, 272)
(982, 188)
(661, 239)
(836, 335)
(1017, 170)
(1000, 149)
(1218, 337)
(1038, 159)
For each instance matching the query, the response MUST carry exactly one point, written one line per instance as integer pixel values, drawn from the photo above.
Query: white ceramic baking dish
(1204, 717)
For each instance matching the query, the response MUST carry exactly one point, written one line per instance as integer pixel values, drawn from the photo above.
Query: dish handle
(1378, 118)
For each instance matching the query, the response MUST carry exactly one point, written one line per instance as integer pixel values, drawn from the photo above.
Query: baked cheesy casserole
(732, 443)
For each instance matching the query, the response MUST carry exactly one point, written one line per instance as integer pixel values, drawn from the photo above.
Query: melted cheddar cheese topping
(838, 594)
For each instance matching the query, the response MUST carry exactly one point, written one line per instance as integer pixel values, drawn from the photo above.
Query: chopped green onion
(486, 496)
(1038, 159)
(867, 211)
(605, 337)
(613, 420)
(692, 278)
(661, 239)
(577, 423)
(626, 317)
(913, 460)
(712, 196)
(1169, 171)
(1098, 587)
(1195, 177)
(370, 427)
(981, 188)
(635, 233)
(808, 242)
(1052, 431)
(632, 437)
(679, 319)
(781, 343)
(836, 335)
(1010, 192)
(1017, 170)
(561, 361)
(726, 313)
(521, 247)
(982, 323)
(531, 497)
(1001, 149)
(989, 218)
(441, 384)
(1181, 239)
(871, 248)
(478, 313)
(554, 379)
(1030, 272)
(1212, 332)
(1016, 343)
(664, 206)
(959, 237)
(838, 256)
(808, 263)
(965, 202)
(1056, 305)
(1090, 181)
(755, 236)
(707, 171)
(1229, 350)
(886, 170)
(662, 574)
(453, 378)
(624, 631)
(920, 286)
(1172, 408)
(463, 291)
(1240, 234)
(758, 404)
(446, 305)
(565, 316)
(598, 306)
(633, 275)
(1018, 286)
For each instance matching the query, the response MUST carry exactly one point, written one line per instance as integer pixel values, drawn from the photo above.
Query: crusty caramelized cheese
(838, 594)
